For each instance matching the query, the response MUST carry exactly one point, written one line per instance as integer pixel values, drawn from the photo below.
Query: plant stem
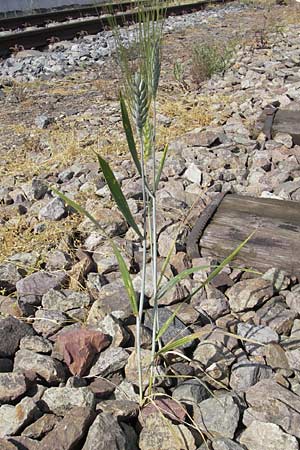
(154, 248)
(143, 281)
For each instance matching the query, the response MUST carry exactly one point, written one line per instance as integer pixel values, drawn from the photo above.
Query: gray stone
(68, 433)
(25, 260)
(13, 418)
(173, 295)
(31, 288)
(275, 356)
(248, 294)
(48, 322)
(43, 122)
(6, 445)
(284, 139)
(293, 357)
(110, 220)
(267, 436)
(214, 358)
(9, 307)
(214, 304)
(37, 344)
(65, 300)
(114, 328)
(245, 373)
(275, 314)
(9, 276)
(112, 299)
(122, 409)
(23, 442)
(12, 386)
(159, 433)
(60, 400)
(166, 239)
(39, 188)
(106, 433)
(193, 174)
(176, 329)
(109, 361)
(295, 334)
(126, 391)
(225, 444)
(41, 426)
(293, 299)
(46, 367)
(259, 334)
(54, 210)
(131, 367)
(6, 365)
(191, 391)
(106, 260)
(270, 402)
(59, 260)
(218, 416)
(278, 278)
(11, 332)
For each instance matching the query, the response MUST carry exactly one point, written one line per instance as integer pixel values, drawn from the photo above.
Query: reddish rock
(78, 348)
(168, 407)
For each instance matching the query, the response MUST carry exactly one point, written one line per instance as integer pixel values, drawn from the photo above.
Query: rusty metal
(270, 111)
(192, 245)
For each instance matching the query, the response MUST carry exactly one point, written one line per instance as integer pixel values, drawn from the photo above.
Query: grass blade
(118, 194)
(122, 265)
(224, 263)
(126, 279)
(129, 134)
(175, 280)
(78, 208)
(161, 166)
(176, 343)
(168, 322)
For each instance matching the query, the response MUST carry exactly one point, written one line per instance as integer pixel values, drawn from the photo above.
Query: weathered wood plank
(286, 121)
(276, 241)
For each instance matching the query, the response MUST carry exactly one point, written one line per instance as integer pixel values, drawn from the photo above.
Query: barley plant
(138, 104)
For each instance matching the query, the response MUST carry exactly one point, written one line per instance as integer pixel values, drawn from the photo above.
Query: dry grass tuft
(19, 236)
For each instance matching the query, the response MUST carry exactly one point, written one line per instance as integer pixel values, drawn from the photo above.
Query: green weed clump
(210, 59)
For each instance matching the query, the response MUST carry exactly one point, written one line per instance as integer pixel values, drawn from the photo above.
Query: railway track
(41, 36)
(42, 18)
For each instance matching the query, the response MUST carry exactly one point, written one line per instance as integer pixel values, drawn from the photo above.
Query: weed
(18, 92)
(178, 72)
(210, 59)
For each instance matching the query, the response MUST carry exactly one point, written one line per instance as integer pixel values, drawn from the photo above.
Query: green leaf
(175, 280)
(129, 134)
(176, 343)
(126, 279)
(161, 166)
(78, 208)
(224, 263)
(168, 322)
(122, 265)
(118, 194)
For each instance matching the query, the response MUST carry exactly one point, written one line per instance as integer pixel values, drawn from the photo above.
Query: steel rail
(41, 18)
(41, 37)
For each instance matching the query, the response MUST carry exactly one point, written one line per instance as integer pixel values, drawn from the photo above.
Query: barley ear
(140, 101)
(148, 136)
(156, 67)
